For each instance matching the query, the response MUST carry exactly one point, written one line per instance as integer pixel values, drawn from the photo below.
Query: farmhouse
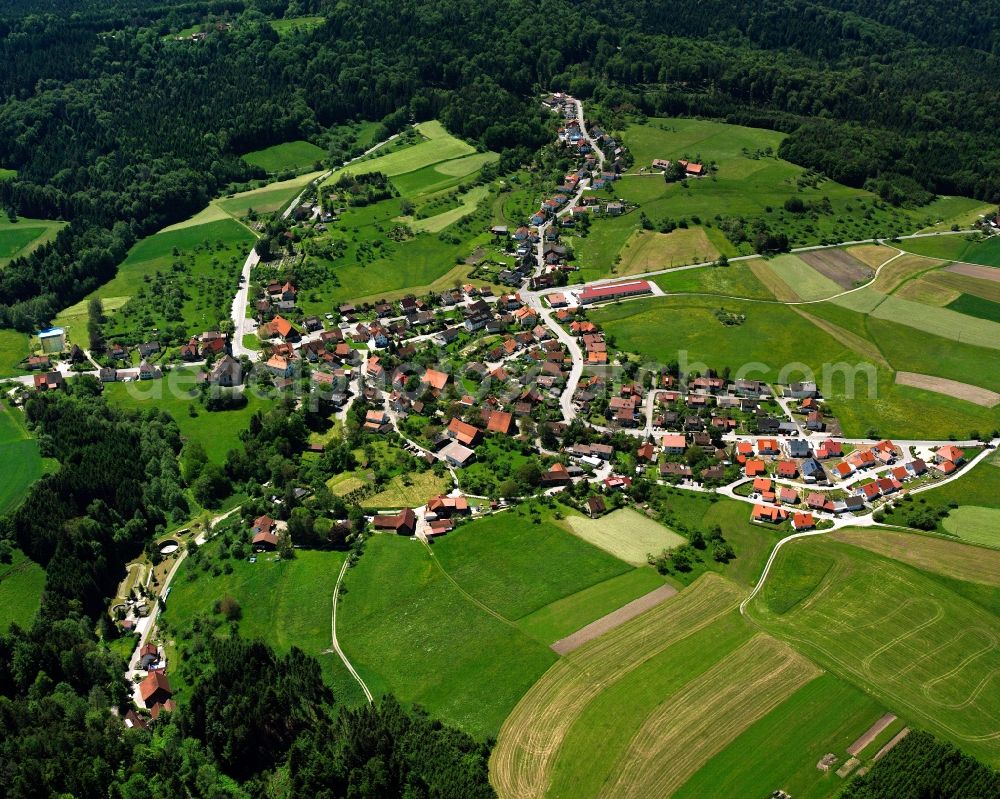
(48, 381)
(444, 506)
(402, 523)
(634, 288)
(155, 689)
(264, 536)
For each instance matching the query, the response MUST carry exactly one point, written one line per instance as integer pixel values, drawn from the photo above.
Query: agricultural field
(750, 182)
(285, 603)
(863, 327)
(567, 735)
(14, 348)
(809, 284)
(292, 155)
(626, 534)
(517, 562)
(565, 616)
(21, 584)
(407, 628)
(20, 461)
(971, 305)
(647, 251)
(966, 249)
(917, 645)
(181, 278)
(20, 238)
(286, 27)
(359, 261)
(408, 491)
(434, 145)
(177, 394)
(736, 280)
(265, 199)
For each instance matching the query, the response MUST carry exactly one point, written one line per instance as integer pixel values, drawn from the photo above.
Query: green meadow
(184, 276)
(516, 565)
(286, 156)
(14, 348)
(21, 584)
(21, 462)
(909, 639)
(218, 431)
(290, 25)
(750, 182)
(957, 248)
(20, 238)
(411, 631)
(284, 602)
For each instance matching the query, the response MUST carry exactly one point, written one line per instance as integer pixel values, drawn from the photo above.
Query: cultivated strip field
(948, 558)
(872, 255)
(951, 388)
(531, 737)
(806, 282)
(614, 619)
(871, 734)
(972, 270)
(683, 733)
(626, 534)
(839, 266)
(922, 647)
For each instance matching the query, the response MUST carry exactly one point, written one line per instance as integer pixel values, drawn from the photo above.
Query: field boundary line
(333, 636)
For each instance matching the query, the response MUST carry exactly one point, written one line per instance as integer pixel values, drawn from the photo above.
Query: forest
(115, 126)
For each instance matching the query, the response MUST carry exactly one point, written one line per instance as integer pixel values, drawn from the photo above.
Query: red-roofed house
(435, 379)
(464, 433)
(403, 523)
(500, 422)
(762, 484)
(155, 688)
(755, 467)
(766, 513)
(803, 521)
(949, 453)
(787, 469)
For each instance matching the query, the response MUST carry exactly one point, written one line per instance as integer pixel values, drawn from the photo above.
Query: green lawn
(408, 630)
(440, 176)
(20, 238)
(286, 603)
(20, 461)
(975, 524)
(469, 203)
(569, 614)
(21, 584)
(957, 248)
(781, 749)
(288, 155)
(218, 431)
(516, 566)
(915, 644)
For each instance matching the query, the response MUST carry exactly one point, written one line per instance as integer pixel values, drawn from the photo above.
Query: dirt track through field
(530, 739)
(899, 736)
(871, 734)
(614, 619)
(862, 346)
(951, 388)
(973, 270)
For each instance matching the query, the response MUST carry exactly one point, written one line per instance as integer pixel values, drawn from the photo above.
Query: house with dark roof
(402, 523)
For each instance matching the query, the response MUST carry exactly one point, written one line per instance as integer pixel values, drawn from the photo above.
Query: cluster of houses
(691, 169)
(154, 691)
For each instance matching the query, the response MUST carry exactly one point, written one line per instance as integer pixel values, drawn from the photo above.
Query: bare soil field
(950, 388)
(949, 558)
(838, 265)
(871, 734)
(973, 270)
(614, 619)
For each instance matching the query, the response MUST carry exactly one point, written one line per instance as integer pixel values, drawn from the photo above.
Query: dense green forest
(920, 766)
(111, 122)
